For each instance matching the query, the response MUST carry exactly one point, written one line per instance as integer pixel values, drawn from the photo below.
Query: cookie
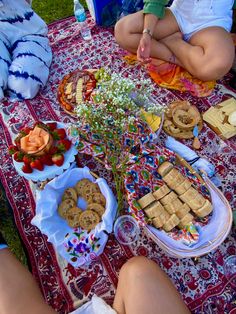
(64, 206)
(80, 185)
(69, 193)
(88, 220)
(98, 208)
(88, 190)
(72, 216)
(97, 198)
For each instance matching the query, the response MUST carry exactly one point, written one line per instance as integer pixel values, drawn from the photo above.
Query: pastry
(205, 210)
(146, 200)
(159, 221)
(169, 198)
(80, 185)
(164, 168)
(173, 178)
(171, 223)
(154, 210)
(97, 198)
(64, 206)
(174, 206)
(70, 193)
(193, 198)
(72, 216)
(88, 220)
(183, 187)
(181, 212)
(98, 208)
(186, 220)
(161, 192)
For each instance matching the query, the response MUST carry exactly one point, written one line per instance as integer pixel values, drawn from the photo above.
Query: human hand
(144, 49)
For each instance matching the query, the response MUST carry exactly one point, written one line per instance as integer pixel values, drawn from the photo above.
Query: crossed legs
(208, 55)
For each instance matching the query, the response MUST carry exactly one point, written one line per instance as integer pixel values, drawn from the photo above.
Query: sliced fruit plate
(42, 151)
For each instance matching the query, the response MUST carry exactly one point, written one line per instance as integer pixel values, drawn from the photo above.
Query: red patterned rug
(202, 284)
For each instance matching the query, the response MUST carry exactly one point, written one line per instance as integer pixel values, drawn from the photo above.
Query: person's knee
(120, 31)
(214, 69)
(138, 266)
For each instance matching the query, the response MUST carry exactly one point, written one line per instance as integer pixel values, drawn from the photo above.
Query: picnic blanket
(202, 284)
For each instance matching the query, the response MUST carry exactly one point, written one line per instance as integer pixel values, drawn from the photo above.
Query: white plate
(49, 172)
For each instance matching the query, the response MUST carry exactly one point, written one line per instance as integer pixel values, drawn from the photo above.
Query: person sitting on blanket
(191, 33)
(25, 54)
(143, 288)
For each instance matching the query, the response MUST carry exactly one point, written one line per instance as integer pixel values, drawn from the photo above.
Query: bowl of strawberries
(42, 151)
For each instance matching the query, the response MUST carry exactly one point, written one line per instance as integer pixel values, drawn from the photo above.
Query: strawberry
(12, 149)
(52, 126)
(27, 159)
(26, 168)
(46, 160)
(59, 134)
(37, 164)
(25, 131)
(18, 156)
(53, 150)
(58, 159)
(64, 145)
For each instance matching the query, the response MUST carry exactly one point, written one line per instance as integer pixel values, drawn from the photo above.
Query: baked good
(183, 187)
(72, 216)
(196, 203)
(88, 220)
(159, 221)
(97, 198)
(154, 210)
(171, 223)
(98, 208)
(146, 200)
(161, 192)
(173, 178)
(186, 220)
(64, 206)
(183, 210)
(169, 198)
(174, 206)
(70, 193)
(164, 168)
(205, 210)
(80, 185)
(190, 194)
(89, 190)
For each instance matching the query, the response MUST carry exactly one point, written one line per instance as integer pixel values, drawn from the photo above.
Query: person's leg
(208, 55)
(19, 292)
(128, 32)
(5, 62)
(29, 70)
(143, 288)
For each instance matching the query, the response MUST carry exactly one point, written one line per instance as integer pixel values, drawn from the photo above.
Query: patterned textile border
(203, 285)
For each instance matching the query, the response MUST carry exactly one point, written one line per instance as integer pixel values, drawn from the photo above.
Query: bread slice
(205, 210)
(169, 198)
(164, 168)
(159, 221)
(173, 178)
(154, 210)
(161, 192)
(183, 187)
(146, 200)
(189, 195)
(183, 211)
(186, 220)
(171, 223)
(174, 206)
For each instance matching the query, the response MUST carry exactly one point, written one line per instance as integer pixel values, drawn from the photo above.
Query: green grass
(52, 10)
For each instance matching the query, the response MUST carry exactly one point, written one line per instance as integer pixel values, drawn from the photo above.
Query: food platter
(48, 172)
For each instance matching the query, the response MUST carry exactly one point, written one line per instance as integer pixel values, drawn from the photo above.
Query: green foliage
(52, 10)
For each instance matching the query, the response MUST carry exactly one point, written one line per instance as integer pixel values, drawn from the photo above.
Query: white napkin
(200, 164)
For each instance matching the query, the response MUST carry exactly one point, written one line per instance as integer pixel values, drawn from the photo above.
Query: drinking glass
(126, 229)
